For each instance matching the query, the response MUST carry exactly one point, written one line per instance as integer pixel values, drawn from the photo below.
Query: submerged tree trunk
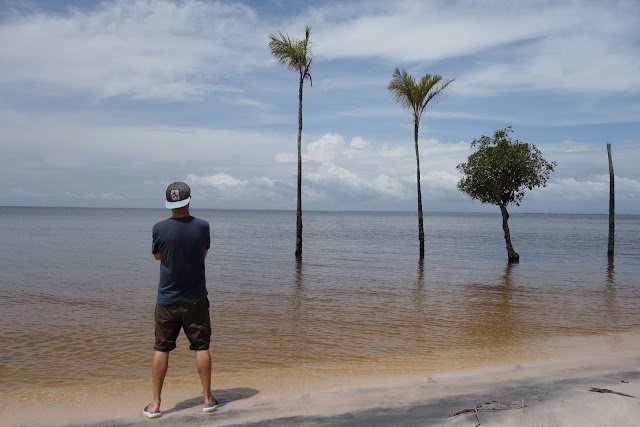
(511, 254)
(299, 201)
(612, 205)
(420, 220)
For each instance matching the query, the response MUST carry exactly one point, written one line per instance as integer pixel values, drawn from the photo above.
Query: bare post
(612, 203)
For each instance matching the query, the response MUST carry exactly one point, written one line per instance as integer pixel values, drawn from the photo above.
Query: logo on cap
(175, 195)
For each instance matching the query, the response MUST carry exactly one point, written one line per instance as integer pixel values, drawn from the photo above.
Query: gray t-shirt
(181, 243)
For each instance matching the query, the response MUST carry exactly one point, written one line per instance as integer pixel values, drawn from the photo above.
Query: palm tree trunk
(299, 201)
(416, 125)
(511, 254)
(612, 206)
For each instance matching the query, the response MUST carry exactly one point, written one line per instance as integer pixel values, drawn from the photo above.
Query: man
(181, 244)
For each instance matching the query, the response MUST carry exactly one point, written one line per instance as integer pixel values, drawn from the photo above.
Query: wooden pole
(612, 203)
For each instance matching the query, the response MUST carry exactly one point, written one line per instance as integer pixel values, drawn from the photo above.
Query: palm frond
(293, 53)
(403, 88)
(433, 86)
(414, 95)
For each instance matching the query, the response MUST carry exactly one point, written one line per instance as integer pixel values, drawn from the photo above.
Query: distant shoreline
(312, 211)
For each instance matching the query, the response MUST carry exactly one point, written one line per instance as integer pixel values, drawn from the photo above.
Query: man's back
(182, 244)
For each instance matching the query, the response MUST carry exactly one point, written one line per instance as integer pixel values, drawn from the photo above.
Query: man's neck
(180, 212)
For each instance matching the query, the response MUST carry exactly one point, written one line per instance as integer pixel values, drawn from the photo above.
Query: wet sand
(555, 392)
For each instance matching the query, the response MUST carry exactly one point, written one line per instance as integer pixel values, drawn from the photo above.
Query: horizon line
(318, 210)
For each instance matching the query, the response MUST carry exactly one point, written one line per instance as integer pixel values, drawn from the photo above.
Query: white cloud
(387, 172)
(21, 192)
(575, 190)
(149, 49)
(253, 103)
(67, 142)
(256, 192)
(539, 45)
(390, 186)
(582, 160)
(589, 194)
(331, 146)
(161, 49)
(358, 143)
(338, 174)
(629, 188)
(592, 188)
(371, 172)
(597, 52)
(172, 50)
(363, 111)
(349, 83)
(270, 182)
(286, 158)
(105, 196)
(433, 147)
(377, 33)
(219, 180)
(441, 179)
(329, 171)
(394, 152)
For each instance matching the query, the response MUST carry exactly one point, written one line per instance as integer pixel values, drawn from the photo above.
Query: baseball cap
(178, 195)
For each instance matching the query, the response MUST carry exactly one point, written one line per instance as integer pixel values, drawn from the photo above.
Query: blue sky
(105, 103)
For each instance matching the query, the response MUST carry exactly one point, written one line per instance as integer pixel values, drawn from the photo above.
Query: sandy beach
(559, 390)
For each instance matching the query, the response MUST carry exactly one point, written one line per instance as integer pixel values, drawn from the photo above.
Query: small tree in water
(500, 172)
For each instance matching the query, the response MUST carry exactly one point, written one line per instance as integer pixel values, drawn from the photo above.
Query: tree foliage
(415, 95)
(502, 169)
(294, 53)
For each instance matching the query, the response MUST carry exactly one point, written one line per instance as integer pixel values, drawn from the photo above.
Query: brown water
(78, 288)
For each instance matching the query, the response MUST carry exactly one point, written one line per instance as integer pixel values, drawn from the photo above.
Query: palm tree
(295, 54)
(415, 96)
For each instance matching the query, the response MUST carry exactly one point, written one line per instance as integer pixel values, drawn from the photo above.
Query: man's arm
(157, 255)
(205, 253)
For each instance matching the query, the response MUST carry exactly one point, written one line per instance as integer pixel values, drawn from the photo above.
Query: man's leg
(203, 363)
(159, 367)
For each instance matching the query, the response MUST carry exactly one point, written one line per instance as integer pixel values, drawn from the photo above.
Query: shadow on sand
(222, 396)
(191, 417)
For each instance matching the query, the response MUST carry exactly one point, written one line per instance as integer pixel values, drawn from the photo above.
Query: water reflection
(419, 322)
(295, 336)
(492, 319)
(420, 273)
(418, 293)
(610, 302)
(298, 295)
(298, 273)
(610, 272)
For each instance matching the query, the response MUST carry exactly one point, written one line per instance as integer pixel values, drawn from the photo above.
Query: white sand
(555, 392)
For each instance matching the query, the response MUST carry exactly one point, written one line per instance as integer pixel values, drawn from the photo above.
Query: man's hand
(157, 256)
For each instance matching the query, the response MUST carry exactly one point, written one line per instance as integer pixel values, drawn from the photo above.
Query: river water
(78, 289)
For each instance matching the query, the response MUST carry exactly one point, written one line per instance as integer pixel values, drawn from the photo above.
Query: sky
(103, 104)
